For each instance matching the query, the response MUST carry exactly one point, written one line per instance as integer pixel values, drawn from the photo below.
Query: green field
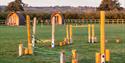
(10, 38)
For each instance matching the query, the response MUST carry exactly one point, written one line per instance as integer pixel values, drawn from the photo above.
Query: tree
(16, 5)
(108, 5)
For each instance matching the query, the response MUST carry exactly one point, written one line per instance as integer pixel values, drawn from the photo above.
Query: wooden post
(60, 43)
(67, 34)
(117, 21)
(62, 57)
(53, 32)
(34, 31)
(102, 36)
(29, 34)
(89, 33)
(107, 55)
(93, 33)
(98, 58)
(26, 51)
(70, 34)
(122, 21)
(34, 25)
(20, 49)
(74, 56)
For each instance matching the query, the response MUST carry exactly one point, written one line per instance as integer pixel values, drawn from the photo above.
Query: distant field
(10, 37)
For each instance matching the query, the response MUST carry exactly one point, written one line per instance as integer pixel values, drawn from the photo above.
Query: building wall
(58, 18)
(12, 19)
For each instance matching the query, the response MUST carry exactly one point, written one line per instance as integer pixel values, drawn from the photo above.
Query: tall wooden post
(93, 33)
(67, 34)
(34, 31)
(29, 34)
(70, 34)
(53, 32)
(62, 57)
(20, 49)
(102, 36)
(34, 25)
(97, 58)
(107, 53)
(89, 33)
(74, 56)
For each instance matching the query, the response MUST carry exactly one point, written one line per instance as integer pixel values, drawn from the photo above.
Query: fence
(84, 21)
(2, 22)
(80, 21)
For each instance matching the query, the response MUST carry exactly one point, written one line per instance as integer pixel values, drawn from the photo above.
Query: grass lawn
(10, 38)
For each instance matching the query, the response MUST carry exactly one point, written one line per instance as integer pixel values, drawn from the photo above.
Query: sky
(74, 3)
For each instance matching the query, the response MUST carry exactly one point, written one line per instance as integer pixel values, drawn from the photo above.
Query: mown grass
(10, 37)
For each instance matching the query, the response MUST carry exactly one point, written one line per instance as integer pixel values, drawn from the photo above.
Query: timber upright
(68, 39)
(91, 33)
(34, 32)
(102, 36)
(69, 34)
(104, 53)
(30, 51)
(53, 33)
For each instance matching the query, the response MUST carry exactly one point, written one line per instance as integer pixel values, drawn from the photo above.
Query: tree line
(112, 8)
(70, 15)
